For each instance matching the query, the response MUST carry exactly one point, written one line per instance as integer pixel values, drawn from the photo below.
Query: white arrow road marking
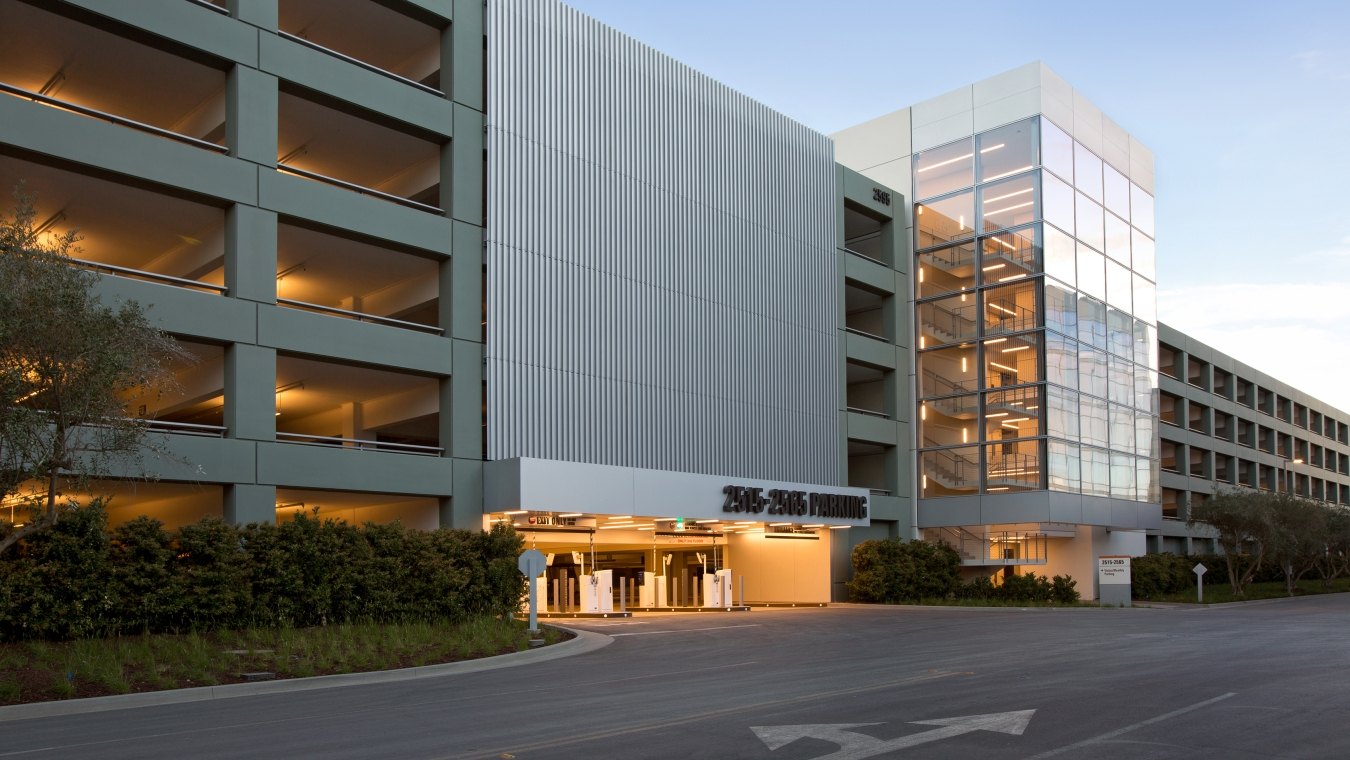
(855, 746)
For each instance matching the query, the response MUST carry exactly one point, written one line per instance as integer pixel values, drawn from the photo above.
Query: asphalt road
(1263, 680)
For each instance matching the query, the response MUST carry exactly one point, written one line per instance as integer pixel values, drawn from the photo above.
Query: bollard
(556, 599)
(742, 590)
(623, 597)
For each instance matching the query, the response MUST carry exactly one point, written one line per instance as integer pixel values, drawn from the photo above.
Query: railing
(360, 189)
(361, 316)
(1004, 315)
(151, 276)
(119, 120)
(879, 491)
(186, 428)
(865, 334)
(867, 412)
(359, 444)
(992, 548)
(862, 255)
(944, 386)
(361, 63)
(952, 325)
(959, 471)
(212, 6)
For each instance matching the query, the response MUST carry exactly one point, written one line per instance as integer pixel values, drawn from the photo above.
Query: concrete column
(251, 115)
(353, 420)
(250, 392)
(461, 397)
(461, 302)
(462, 168)
(248, 503)
(260, 13)
(462, 80)
(251, 253)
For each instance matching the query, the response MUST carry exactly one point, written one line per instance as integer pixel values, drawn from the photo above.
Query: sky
(1245, 105)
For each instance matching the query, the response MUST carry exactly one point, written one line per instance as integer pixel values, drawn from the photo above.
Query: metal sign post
(1199, 571)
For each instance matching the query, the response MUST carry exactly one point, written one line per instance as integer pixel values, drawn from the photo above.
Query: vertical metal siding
(661, 261)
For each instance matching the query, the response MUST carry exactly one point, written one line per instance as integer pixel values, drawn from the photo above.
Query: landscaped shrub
(75, 580)
(1028, 587)
(1155, 575)
(893, 571)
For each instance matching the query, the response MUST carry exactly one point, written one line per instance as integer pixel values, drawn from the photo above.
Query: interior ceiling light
(991, 148)
(571, 514)
(1014, 194)
(515, 511)
(1007, 173)
(1009, 208)
(954, 160)
(1015, 348)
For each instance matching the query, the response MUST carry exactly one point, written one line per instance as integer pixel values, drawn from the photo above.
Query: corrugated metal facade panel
(661, 261)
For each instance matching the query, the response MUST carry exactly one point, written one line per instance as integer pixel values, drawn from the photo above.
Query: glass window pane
(1008, 150)
(1120, 380)
(1142, 255)
(1063, 461)
(947, 320)
(1119, 333)
(1088, 217)
(1092, 414)
(1057, 203)
(1013, 360)
(948, 371)
(1117, 192)
(1096, 471)
(1061, 309)
(1091, 272)
(1117, 239)
(1122, 476)
(1092, 371)
(1008, 203)
(1140, 352)
(1091, 321)
(1145, 434)
(1056, 150)
(1061, 360)
(1061, 416)
(1122, 429)
(949, 472)
(1012, 414)
(1144, 480)
(1060, 255)
(1118, 286)
(1145, 300)
(947, 270)
(1141, 210)
(1087, 172)
(949, 421)
(1009, 256)
(1013, 466)
(946, 220)
(941, 170)
(1011, 308)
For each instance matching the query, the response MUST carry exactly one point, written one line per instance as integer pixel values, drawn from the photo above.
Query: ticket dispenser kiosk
(717, 589)
(597, 592)
(647, 594)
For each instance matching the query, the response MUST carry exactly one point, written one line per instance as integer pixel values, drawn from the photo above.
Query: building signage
(781, 501)
(1113, 571)
(881, 196)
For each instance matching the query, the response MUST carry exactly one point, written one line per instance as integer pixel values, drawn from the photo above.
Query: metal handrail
(212, 6)
(360, 443)
(359, 189)
(120, 120)
(187, 428)
(361, 316)
(879, 491)
(127, 271)
(862, 255)
(868, 412)
(361, 63)
(865, 334)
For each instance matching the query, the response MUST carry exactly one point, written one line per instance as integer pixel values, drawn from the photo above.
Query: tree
(1243, 520)
(1335, 560)
(1298, 536)
(67, 361)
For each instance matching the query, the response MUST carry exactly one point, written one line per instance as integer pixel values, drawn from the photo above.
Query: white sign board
(1113, 570)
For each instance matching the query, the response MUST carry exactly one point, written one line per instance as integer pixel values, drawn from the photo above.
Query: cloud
(1292, 332)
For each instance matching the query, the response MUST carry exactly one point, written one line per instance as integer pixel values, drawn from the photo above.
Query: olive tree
(67, 361)
(1243, 521)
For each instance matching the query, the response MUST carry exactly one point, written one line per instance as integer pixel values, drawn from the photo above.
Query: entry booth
(607, 574)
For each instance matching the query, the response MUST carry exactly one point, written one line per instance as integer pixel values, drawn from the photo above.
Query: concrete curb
(961, 608)
(585, 641)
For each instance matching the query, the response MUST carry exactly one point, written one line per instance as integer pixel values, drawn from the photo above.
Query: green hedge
(77, 579)
(894, 571)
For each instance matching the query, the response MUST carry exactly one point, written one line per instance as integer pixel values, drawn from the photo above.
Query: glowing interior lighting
(997, 414)
(841, 527)
(952, 161)
(925, 482)
(571, 514)
(629, 526)
(1014, 348)
(1007, 174)
(992, 267)
(1003, 367)
(1033, 407)
(992, 341)
(1002, 309)
(778, 525)
(965, 435)
(961, 222)
(1010, 208)
(923, 411)
(988, 201)
(921, 271)
(998, 488)
(701, 522)
(1012, 277)
(1004, 243)
(991, 148)
(1009, 425)
(964, 368)
(515, 511)
(814, 525)
(1016, 419)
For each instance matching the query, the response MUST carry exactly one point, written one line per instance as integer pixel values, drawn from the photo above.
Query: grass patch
(37, 671)
(1218, 593)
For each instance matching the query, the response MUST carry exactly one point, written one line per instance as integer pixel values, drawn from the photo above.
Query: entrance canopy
(550, 486)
